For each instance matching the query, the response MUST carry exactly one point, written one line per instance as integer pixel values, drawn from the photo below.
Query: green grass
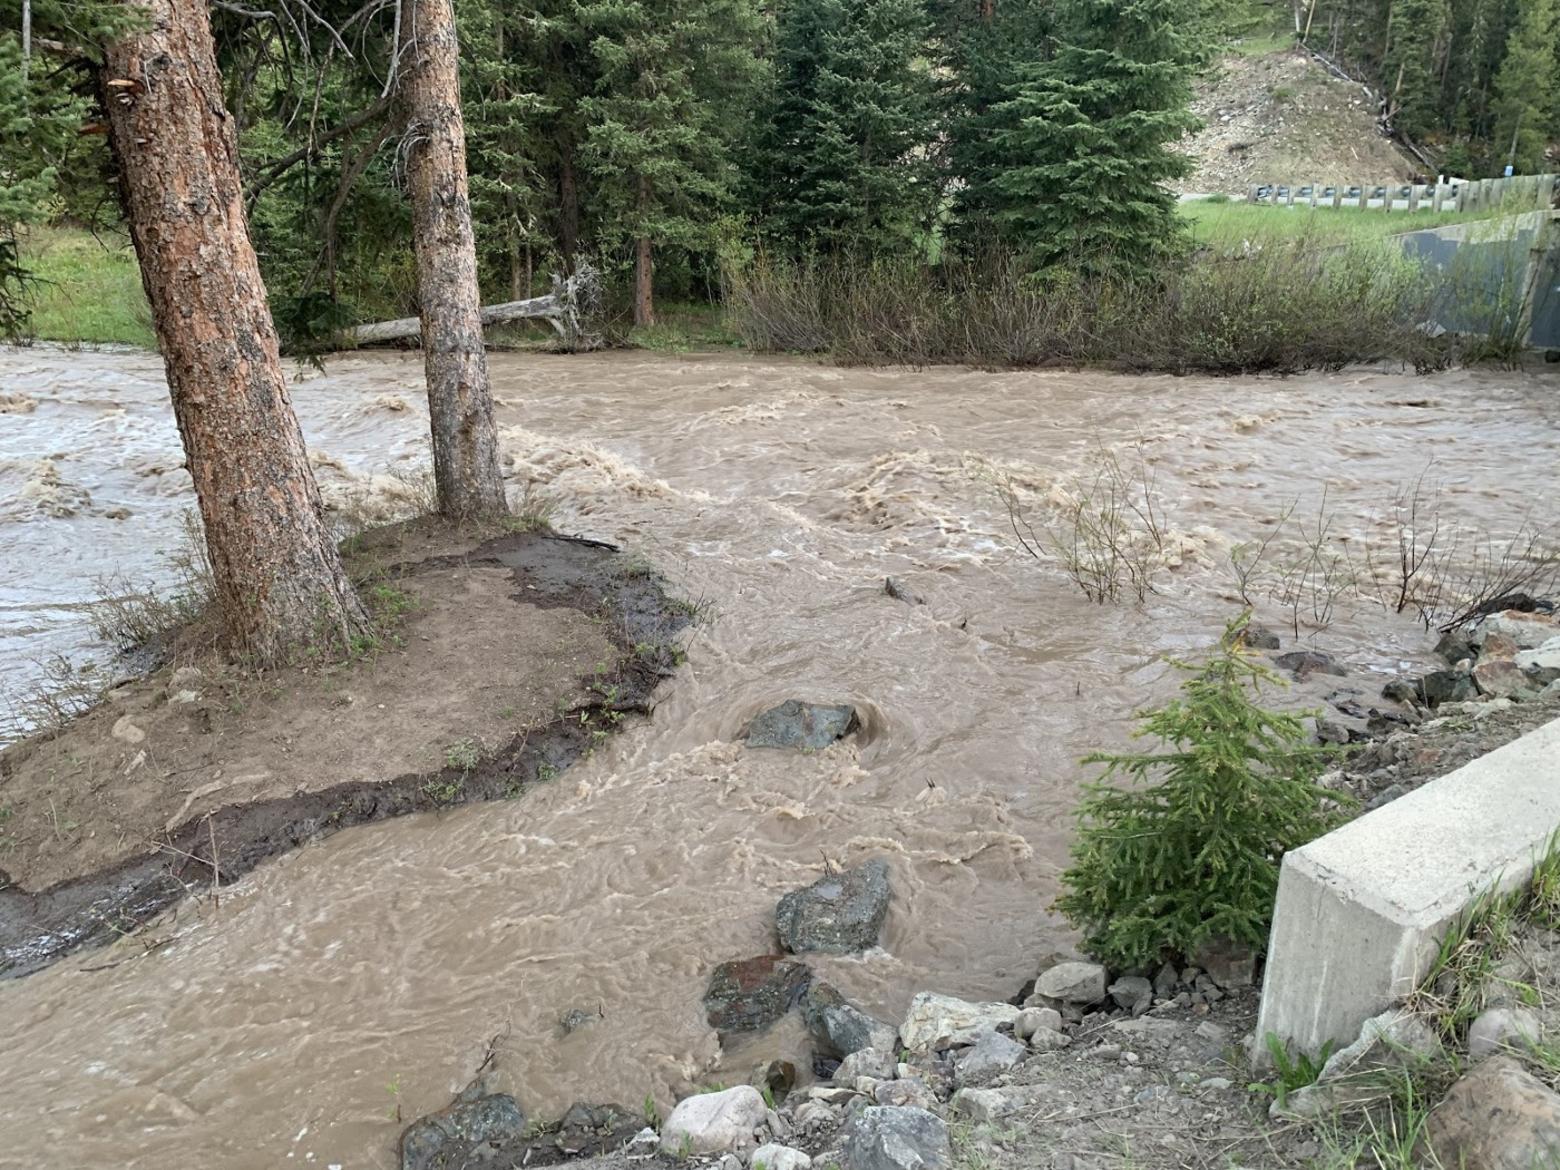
(88, 289)
(1228, 224)
(684, 326)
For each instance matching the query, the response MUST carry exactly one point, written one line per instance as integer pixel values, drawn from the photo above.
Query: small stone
(1497, 1117)
(1208, 1030)
(940, 1021)
(1259, 637)
(838, 914)
(905, 1092)
(812, 1116)
(990, 1104)
(1132, 993)
(1400, 690)
(1048, 1040)
(866, 1062)
(1217, 1084)
(1079, 983)
(1148, 1027)
(125, 729)
(839, 1028)
(1165, 980)
(883, 1137)
(646, 1141)
(185, 676)
(1502, 1028)
(460, 1133)
(747, 995)
(576, 1018)
(714, 1123)
(729, 1162)
(992, 1055)
(795, 724)
(1228, 964)
(1304, 663)
(1032, 1020)
(777, 1157)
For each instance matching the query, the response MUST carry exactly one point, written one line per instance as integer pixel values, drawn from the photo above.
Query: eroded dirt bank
(365, 974)
(515, 657)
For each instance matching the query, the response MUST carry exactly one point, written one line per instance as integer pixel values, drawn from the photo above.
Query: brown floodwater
(368, 973)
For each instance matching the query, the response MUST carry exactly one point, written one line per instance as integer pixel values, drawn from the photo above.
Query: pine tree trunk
(568, 208)
(644, 303)
(279, 580)
(460, 400)
(644, 268)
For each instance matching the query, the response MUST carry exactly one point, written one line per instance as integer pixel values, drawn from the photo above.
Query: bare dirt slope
(1281, 118)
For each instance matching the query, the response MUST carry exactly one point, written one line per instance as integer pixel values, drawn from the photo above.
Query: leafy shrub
(1192, 852)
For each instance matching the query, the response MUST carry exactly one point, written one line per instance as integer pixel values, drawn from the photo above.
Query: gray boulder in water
(795, 724)
(747, 995)
(838, 914)
(839, 1028)
(470, 1133)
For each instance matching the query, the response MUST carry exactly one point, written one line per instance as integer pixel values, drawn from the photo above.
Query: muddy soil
(1282, 118)
(190, 777)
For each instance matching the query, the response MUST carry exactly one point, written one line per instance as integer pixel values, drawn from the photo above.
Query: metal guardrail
(1523, 192)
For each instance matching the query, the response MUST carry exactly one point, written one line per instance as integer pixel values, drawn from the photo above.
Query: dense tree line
(1475, 81)
(657, 138)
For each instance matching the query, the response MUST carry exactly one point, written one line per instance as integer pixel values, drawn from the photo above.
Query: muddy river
(365, 975)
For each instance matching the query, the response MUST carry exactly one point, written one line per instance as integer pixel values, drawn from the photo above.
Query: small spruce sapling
(1190, 851)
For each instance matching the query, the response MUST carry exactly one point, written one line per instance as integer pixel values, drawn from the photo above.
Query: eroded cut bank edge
(39, 928)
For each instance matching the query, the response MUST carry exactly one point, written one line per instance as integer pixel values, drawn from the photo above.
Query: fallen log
(568, 309)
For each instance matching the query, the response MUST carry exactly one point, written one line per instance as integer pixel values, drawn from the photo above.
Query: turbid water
(366, 974)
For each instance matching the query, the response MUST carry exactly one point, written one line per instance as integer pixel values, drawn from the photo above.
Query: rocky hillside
(1282, 118)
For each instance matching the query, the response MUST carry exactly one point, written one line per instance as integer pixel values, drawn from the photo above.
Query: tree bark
(460, 399)
(279, 579)
(644, 268)
(568, 208)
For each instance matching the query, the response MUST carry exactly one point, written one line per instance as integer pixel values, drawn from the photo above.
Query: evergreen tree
(676, 77)
(1414, 62)
(1525, 87)
(843, 156)
(1160, 869)
(1076, 171)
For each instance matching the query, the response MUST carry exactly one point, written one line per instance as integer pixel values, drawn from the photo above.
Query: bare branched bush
(131, 617)
(1108, 532)
(58, 694)
(1286, 306)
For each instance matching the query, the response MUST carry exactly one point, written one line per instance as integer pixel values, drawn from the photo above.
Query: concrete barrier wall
(1361, 912)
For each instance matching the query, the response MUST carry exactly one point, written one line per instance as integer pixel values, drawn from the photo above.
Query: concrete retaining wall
(1361, 911)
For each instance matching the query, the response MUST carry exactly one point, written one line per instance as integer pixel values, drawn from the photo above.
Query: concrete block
(1361, 911)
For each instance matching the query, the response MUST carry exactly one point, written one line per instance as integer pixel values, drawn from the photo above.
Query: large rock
(777, 1157)
(470, 1133)
(1527, 630)
(1227, 963)
(838, 914)
(1132, 993)
(1502, 678)
(1304, 663)
(1498, 1117)
(1446, 686)
(940, 1021)
(839, 1028)
(992, 1055)
(1078, 983)
(1501, 1028)
(714, 1123)
(1541, 666)
(747, 995)
(795, 724)
(1036, 1019)
(887, 1137)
